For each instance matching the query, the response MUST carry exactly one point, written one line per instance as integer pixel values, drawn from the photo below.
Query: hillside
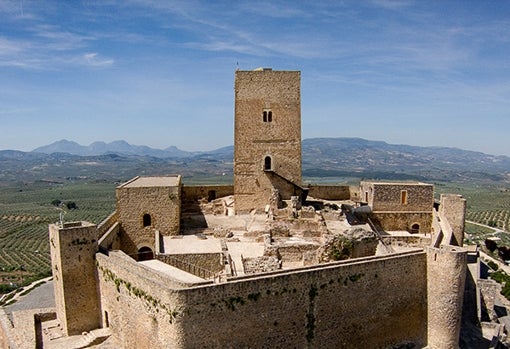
(322, 157)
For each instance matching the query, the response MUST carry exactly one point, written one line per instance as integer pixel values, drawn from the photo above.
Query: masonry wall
(161, 203)
(72, 250)
(257, 92)
(373, 303)
(453, 207)
(193, 193)
(403, 220)
(387, 196)
(330, 192)
(139, 305)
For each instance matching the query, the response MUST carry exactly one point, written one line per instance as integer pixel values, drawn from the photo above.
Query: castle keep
(266, 263)
(267, 137)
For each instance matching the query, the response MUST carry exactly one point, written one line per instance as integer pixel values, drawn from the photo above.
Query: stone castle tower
(267, 137)
(73, 247)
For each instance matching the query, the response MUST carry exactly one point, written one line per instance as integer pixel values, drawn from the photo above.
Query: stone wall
(446, 274)
(196, 192)
(331, 192)
(107, 223)
(370, 303)
(211, 262)
(140, 305)
(394, 221)
(72, 250)
(453, 208)
(388, 196)
(257, 137)
(162, 203)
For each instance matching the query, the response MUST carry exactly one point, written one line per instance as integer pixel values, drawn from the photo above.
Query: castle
(269, 262)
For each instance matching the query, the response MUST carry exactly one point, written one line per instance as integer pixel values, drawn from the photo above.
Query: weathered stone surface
(353, 243)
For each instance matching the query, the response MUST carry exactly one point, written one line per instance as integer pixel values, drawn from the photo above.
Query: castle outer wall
(315, 307)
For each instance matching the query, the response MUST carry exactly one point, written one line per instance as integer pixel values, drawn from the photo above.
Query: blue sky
(161, 73)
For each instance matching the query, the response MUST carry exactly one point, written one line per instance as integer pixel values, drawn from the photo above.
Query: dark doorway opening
(267, 163)
(415, 228)
(145, 253)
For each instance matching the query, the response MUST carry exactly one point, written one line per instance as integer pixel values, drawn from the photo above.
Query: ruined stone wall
(330, 192)
(196, 192)
(163, 204)
(388, 196)
(256, 93)
(446, 274)
(72, 250)
(453, 207)
(403, 221)
(369, 303)
(407, 241)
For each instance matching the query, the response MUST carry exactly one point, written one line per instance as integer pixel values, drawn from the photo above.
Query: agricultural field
(487, 204)
(27, 209)
(25, 212)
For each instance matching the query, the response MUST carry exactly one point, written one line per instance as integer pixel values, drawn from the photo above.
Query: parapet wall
(300, 308)
(332, 192)
(196, 192)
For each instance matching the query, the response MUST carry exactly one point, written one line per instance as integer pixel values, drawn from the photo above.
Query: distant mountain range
(322, 157)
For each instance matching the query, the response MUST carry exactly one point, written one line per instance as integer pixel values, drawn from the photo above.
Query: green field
(27, 209)
(25, 212)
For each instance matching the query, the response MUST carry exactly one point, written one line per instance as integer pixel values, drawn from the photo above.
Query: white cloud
(94, 60)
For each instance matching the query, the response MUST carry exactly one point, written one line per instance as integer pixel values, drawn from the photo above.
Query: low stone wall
(106, 224)
(332, 192)
(110, 240)
(407, 241)
(210, 192)
(211, 262)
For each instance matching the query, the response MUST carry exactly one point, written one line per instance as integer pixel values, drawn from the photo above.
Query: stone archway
(415, 228)
(145, 253)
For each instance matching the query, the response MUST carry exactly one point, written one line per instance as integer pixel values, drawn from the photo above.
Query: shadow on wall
(192, 218)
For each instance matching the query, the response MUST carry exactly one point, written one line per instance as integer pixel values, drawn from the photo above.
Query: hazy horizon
(161, 73)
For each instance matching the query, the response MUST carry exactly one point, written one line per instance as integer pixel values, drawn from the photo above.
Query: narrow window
(366, 196)
(146, 220)
(403, 197)
(106, 320)
(267, 163)
(267, 115)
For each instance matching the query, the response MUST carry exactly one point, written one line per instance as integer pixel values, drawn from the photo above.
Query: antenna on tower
(237, 65)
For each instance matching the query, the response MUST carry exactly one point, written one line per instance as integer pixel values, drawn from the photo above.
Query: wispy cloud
(94, 60)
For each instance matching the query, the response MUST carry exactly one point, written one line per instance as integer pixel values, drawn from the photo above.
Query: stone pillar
(453, 208)
(446, 276)
(73, 247)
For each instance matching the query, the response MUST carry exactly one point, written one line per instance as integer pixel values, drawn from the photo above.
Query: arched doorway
(415, 228)
(145, 253)
(267, 163)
